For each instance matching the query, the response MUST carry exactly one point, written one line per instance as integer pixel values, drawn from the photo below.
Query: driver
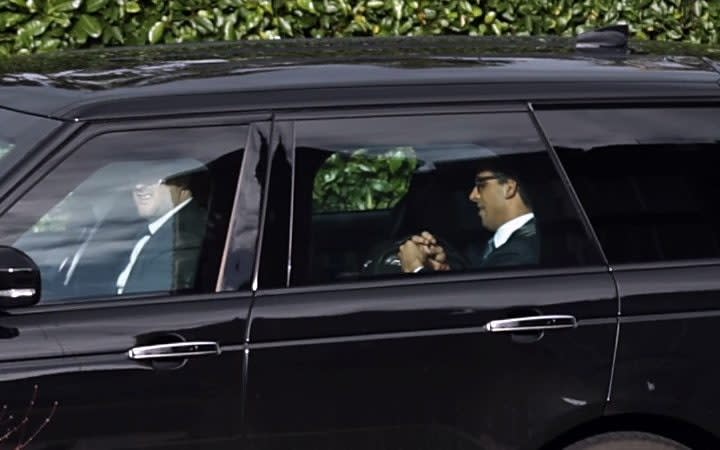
(504, 209)
(165, 257)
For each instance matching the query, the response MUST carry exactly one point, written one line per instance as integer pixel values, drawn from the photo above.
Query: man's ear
(179, 194)
(510, 188)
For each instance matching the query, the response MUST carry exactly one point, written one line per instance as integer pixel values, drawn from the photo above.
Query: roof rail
(611, 37)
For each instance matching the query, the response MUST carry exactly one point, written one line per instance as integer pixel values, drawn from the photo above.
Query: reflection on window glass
(131, 213)
(19, 132)
(426, 195)
(5, 148)
(363, 180)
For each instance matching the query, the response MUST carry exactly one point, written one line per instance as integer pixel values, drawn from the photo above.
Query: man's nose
(473, 194)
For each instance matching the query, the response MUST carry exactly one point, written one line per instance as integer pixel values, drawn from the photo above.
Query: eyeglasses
(480, 182)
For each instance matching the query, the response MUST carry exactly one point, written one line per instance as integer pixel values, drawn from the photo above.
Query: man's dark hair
(504, 172)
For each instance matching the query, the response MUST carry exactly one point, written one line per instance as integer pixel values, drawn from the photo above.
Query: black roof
(251, 75)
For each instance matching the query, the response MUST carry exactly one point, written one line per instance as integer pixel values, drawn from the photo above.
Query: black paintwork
(204, 77)
(370, 365)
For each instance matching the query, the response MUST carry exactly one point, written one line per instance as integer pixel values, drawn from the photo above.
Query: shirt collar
(508, 228)
(157, 223)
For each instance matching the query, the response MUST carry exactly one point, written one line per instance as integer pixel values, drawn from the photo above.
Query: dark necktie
(489, 248)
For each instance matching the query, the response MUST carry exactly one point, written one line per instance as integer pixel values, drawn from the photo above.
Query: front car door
(146, 280)
(348, 351)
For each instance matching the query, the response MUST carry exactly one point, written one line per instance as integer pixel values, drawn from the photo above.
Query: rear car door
(647, 176)
(143, 233)
(348, 351)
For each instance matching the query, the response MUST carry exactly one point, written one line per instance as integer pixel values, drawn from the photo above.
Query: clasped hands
(422, 251)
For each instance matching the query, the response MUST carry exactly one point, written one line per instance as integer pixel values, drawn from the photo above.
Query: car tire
(627, 440)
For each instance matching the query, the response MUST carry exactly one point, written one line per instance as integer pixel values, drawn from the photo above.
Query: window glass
(481, 186)
(19, 132)
(647, 178)
(130, 213)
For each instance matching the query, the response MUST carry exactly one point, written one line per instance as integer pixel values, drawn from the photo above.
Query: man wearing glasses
(165, 257)
(504, 209)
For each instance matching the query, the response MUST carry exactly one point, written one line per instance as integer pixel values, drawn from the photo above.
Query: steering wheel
(383, 258)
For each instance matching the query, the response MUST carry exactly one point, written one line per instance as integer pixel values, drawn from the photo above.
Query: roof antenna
(611, 37)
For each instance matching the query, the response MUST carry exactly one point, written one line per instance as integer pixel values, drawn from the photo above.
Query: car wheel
(627, 440)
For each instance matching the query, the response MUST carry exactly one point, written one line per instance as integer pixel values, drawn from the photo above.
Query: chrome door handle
(174, 350)
(531, 323)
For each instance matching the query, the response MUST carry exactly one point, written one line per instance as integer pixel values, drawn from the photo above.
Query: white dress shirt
(506, 230)
(152, 229)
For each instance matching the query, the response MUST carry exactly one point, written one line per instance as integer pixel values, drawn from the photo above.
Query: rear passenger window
(420, 195)
(647, 178)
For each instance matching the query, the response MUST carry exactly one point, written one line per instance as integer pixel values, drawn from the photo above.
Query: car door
(135, 361)
(348, 351)
(647, 176)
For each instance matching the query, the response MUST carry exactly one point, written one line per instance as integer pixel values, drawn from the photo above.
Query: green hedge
(42, 25)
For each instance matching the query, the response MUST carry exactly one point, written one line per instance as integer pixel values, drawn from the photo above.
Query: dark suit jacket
(169, 260)
(521, 249)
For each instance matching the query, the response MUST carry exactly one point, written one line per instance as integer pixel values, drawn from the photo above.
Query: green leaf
(10, 19)
(307, 5)
(89, 25)
(92, 6)
(156, 32)
(34, 28)
(49, 44)
(132, 7)
(55, 6)
(204, 24)
(229, 33)
(285, 26)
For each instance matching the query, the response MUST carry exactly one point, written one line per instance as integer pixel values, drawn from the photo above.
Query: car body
(294, 333)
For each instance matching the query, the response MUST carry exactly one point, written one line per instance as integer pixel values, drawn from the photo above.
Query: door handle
(174, 350)
(531, 323)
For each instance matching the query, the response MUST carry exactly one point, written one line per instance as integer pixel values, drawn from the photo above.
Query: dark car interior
(353, 245)
(663, 199)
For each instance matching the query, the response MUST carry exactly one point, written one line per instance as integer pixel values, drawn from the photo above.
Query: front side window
(19, 132)
(132, 213)
(647, 178)
(421, 195)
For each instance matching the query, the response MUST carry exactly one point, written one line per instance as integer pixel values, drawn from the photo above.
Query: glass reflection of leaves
(364, 180)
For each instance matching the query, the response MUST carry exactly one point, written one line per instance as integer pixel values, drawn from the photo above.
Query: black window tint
(132, 212)
(364, 186)
(647, 178)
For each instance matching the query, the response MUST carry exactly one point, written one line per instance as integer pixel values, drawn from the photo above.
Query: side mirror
(19, 279)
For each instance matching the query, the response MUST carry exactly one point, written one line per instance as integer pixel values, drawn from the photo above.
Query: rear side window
(647, 178)
(364, 187)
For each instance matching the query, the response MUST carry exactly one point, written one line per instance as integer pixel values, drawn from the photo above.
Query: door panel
(666, 364)
(363, 350)
(77, 340)
(175, 403)
(412, 367)
(648, 180)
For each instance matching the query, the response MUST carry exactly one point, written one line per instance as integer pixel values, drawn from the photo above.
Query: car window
(647, 178)
(482, 186)
(132, 213)
(19, 132)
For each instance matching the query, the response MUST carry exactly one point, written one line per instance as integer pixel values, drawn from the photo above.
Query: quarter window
(423, 195)
(647, 178)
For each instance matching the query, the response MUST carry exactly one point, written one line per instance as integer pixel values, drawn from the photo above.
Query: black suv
(409, 243)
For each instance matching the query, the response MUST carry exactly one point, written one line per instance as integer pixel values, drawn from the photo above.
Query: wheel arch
(678, 430)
